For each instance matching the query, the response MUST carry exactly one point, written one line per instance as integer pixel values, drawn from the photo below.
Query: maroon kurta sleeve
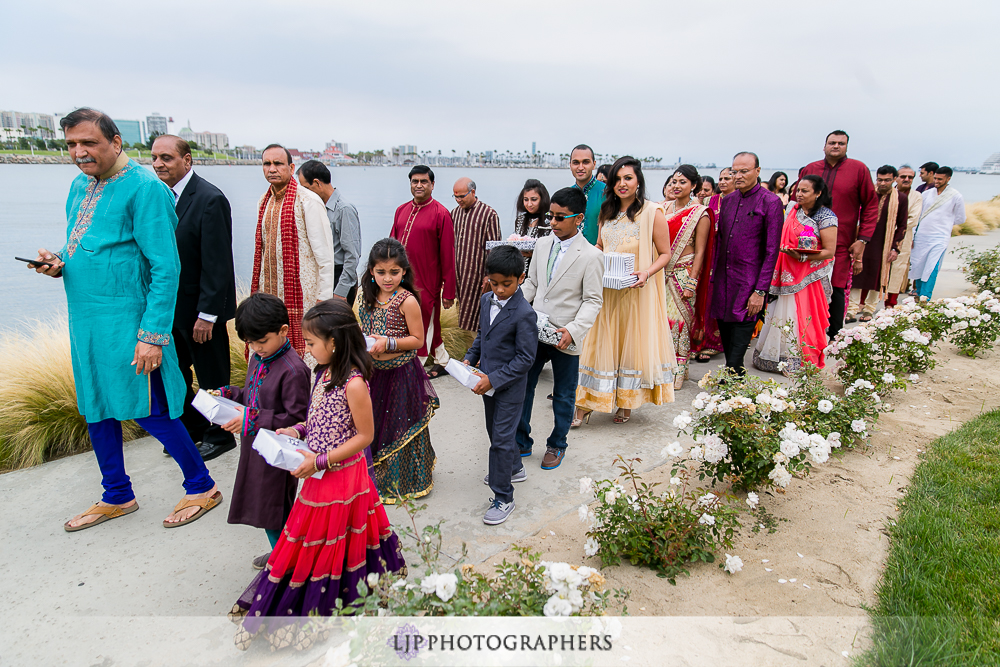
(446, 240)
(287, 399)
(869, 203)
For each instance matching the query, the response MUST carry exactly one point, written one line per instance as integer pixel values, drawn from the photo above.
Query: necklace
(389, 300)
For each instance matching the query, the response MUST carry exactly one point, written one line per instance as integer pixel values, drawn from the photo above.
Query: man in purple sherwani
(746, 251)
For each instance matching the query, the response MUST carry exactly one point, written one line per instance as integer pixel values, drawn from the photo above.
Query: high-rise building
(404, 152)
(156, 124)
(339, 145)
(131, 131)
(532, 147)
(38, 125)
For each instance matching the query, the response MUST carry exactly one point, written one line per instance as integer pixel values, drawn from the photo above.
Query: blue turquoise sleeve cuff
(153, 338)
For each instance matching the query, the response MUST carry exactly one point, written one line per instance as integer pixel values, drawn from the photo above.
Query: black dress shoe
(212, 450)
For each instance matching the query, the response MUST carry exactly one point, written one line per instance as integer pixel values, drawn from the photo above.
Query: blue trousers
(926, 287)
(106, 438)
(565, 375)
(501, 425)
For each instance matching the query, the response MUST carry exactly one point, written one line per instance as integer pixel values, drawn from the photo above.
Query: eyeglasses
(461, 197)
(740, 172)
(905, 178)
(550, 216)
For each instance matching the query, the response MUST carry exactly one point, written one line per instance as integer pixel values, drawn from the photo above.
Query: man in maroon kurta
(856, 206)
(425, 229)
(869, 286)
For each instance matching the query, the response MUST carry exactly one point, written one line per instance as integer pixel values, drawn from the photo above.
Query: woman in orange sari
(795, 326)
(689, 224)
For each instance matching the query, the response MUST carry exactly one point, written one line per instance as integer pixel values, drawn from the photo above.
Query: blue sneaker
(498, 512)
(524, 452)
(553, 458)
(519, 476)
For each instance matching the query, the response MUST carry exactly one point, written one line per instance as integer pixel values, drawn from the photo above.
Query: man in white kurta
(943, 208)
(302, 274)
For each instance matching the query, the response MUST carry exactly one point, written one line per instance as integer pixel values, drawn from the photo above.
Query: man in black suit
(206, 297)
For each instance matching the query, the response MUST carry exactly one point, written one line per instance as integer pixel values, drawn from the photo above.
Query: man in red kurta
(856, 206)
(424, 227)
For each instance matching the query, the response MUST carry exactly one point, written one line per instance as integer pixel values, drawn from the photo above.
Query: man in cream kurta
(943, 209)
(313, 252)
(900, 272)
(564, 282)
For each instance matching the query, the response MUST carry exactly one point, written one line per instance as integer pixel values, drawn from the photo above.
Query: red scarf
(289, 262)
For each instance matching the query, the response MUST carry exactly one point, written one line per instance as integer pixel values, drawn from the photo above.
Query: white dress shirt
(181, 184)
(564, 245)
(494, 308)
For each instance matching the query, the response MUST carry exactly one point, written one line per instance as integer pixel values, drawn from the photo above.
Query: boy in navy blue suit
(504, 350)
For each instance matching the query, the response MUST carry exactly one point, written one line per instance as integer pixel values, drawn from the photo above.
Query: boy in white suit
(564, 282)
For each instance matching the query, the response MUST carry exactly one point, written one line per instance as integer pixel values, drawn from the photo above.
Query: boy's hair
(335, 320)
(571, 198)
(259, 315)
(385, 250)
(505, 260)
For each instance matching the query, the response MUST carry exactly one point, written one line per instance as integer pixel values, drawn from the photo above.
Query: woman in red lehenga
(706, 342)
(802, 284)
(690, 226)
(337, 533)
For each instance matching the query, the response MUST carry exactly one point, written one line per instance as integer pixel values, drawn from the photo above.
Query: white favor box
(464, 374)
(520, 245)
(216, 409)
(547, 332)
(619, 263)
(280, 450)
(619, 282)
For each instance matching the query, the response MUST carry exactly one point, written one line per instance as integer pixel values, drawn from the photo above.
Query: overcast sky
(910, 81)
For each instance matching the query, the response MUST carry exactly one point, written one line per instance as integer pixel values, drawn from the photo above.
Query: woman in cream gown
(628, 358)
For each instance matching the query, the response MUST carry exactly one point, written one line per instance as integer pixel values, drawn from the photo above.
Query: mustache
(85, 160)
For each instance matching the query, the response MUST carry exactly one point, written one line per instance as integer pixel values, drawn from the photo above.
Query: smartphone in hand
(34, 262)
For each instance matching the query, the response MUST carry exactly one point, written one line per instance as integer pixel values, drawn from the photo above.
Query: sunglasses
(550, 216)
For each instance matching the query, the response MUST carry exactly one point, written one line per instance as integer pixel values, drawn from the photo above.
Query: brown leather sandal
(107, 512)
(204, 504)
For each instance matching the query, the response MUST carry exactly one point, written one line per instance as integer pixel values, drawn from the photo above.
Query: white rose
(447, 583)
(752, 500)
(824, 406)
(586, 484)
(429, 584)
(372, 579)
(733, 564)
(707, 499)
(696, 454)
(789, 449)
(682, 421)
(674, 449)
(914, 377)
(582, 513)
(557, 606)
(590, 547)
(675, 481)
(888, 378)
(707, 520)
(610, 497)
(858, 425)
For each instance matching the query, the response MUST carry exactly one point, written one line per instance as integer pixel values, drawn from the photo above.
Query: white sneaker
(498, 512)
(520, 476)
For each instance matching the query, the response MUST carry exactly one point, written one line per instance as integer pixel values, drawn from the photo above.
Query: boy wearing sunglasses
(563, 282)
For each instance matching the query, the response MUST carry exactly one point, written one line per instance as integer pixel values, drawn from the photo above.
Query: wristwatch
(863, 241)
(760, 292)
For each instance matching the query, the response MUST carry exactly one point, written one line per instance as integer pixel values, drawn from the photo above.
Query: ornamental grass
(39, 420)
(980, 218)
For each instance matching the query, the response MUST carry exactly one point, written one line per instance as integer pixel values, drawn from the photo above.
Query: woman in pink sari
(690, 227)
(795, 327)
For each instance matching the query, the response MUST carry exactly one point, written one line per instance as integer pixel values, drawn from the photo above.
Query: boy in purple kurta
(276, 395)
(746, 250)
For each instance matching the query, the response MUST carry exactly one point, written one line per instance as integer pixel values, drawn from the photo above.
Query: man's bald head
(465, 192)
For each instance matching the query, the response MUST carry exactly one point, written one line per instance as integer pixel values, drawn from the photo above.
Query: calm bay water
(33, 200)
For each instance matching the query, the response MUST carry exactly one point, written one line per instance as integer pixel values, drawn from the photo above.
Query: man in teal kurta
(581, 165)
(120, 269)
